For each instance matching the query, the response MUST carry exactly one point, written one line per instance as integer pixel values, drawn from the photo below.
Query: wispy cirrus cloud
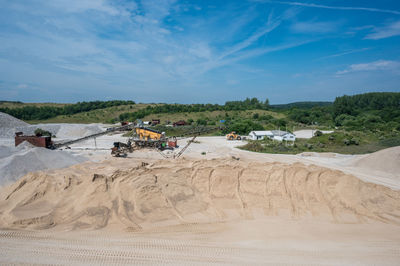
(395, 12)
(315, 27)
(173, 51)
(344, 53)
(389, 30)
(271, 25)
(379, 65)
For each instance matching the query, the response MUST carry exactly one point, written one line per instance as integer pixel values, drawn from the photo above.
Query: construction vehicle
(233, 136)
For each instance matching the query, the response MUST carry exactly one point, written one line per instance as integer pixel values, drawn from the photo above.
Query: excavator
(233, 136)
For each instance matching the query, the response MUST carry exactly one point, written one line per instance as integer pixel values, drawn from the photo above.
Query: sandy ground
(315, 215)
(219, 147)
(252, 242)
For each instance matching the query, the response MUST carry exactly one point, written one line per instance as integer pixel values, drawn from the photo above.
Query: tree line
(46, 112)
(247, 104)
(376, 111)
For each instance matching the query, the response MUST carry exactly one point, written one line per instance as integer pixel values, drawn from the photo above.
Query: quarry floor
(260, 240)
(252, 242)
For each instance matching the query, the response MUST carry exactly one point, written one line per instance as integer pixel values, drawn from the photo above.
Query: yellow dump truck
(233, 136)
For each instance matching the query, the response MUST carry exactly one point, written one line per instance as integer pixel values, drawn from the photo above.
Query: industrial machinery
(233, 136)
(121, 149)
(146, 137)
(150, 138)
(148, 134)
(143, 138)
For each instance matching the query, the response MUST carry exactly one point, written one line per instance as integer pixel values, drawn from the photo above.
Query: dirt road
(254, 242)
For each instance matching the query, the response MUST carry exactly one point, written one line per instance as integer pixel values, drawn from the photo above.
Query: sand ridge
(190, 191)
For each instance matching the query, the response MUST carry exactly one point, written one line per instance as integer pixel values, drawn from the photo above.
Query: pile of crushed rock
(9, 125)
(8, 122)
(18, 161)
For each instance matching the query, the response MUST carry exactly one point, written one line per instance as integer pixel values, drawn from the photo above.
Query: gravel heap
(9, 125)
(8, 122)
(18, 161)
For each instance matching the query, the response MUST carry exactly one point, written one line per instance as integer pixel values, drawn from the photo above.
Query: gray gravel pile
(18, 161)
(62, 131)
(9, 125)
(8, 122)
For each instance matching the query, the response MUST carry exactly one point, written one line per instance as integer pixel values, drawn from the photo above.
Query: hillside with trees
(32, 112)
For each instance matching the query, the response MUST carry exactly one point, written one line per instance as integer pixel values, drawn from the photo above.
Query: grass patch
(354, 142)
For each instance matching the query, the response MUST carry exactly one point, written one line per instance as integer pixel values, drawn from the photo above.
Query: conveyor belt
(109, 130)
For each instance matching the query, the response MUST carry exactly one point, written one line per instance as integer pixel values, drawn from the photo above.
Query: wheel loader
(233, 136)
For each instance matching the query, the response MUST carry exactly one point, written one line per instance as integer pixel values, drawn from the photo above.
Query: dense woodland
(374, 111)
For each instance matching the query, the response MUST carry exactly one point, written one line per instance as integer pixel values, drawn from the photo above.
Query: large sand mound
(175, 192)
(387, 160)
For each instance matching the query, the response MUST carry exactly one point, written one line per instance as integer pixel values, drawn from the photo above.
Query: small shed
(39, 141)
(155, 122)
(179, 123)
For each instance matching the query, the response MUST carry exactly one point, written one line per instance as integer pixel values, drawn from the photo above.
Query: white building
(278, 135)
(257, 135)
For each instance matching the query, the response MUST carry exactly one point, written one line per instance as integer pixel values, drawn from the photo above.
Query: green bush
(318, 133)
(42, 132)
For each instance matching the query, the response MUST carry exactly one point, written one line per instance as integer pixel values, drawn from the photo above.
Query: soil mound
(169, 192)
(387, 160)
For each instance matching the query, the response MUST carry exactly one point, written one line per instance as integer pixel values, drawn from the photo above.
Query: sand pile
(387, 160)
(18, 161)
(88, 197)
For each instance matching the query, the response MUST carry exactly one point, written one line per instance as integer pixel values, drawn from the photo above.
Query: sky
(197, 51)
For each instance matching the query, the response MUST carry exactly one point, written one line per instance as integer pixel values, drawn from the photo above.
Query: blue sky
(197, 51)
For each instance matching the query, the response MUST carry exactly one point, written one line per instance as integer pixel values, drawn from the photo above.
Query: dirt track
(252, 242)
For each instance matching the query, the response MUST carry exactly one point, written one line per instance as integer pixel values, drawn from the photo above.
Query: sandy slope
(387, 160)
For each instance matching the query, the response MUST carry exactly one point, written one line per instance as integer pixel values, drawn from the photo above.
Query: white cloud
(334, 7)
(380, 65)
(344, 53)
(84, 5)
(22, 86)
(390, 30)
(272, 23)
(315, 27)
